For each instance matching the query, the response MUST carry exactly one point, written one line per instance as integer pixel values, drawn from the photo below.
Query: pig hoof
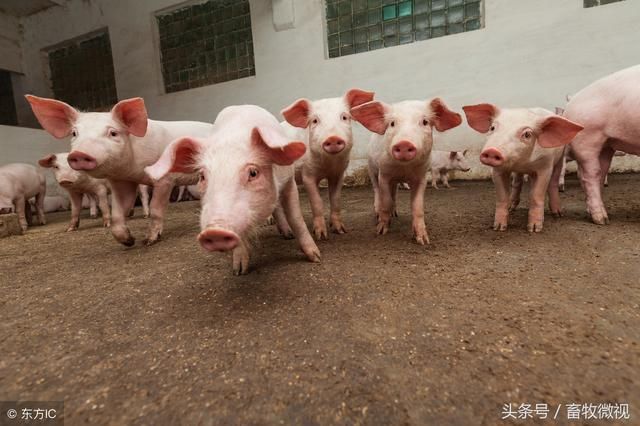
(71, 229)
(499, 226)
(557, 213)
(600, 220)
(129, 242)
(422, 240)
(513, 206)
(146, 215)
(271, 221)
(382, 228)
(339, 228)
(288, 235)
(561, 188)
(150, 241)
(534, 227)
(395, 213)
(320, 233)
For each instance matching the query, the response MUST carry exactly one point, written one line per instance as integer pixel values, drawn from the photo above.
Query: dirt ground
(383, 331)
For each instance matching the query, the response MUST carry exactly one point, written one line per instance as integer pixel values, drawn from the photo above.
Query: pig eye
(344, 117)
(201, 178)
(113, 133)
(392, 124)
(74, 133)
(425, 122)
(314, 121)
(492, 128)
(527, 134)
(253, 173)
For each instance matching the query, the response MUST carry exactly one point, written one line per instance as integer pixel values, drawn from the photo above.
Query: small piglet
(78, 183)
(523, 141)
(55, 203)
(246, 168)
(117, 146)
(400, 152)
(325, 127)
(442, 162)
(19, 183)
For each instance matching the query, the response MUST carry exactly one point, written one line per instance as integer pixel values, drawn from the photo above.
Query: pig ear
(47, 162)
(372, 116)
(444, 118)
(297, 114)
(178, 157)
(276, 147)
(55, 117)
(452, 154)
(557, 131)
(480, 116)
(464, 153)
(133, 114)
(355, 97)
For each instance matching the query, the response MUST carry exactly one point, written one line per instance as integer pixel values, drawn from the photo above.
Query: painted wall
(530, 53)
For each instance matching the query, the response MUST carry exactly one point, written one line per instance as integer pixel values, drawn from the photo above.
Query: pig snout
(217, 239)
(404, 151)
(333, 145)
(81, 161)
(491, 157)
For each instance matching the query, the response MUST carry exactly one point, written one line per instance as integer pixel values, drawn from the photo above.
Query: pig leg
(123, 197)
(19, 205)
(335, 189)
(281, 223)
(290, 202)
(539, 186)
(161, 195)
(445, 179)
(373, 175)
(385, 203)
(517, 180)
(28, 212)
(76, 207)
(103, 203)
(180, 193)
(563, 169)
(417, 209)
(313, 192)
(93, 213)
(394, 196)
(554, 189)
(144, 199)
(606, 180)
(435, 175)
(586, 149)
(240, 256)
(606, 155)
(501, 180)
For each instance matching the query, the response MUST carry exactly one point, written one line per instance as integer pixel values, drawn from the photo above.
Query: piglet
(77, 184)
(325, 127)
(246, 168)
(116, 146)
(523, 141)
(18, 184)
(443, 162)
(55, 203)
(400, 151)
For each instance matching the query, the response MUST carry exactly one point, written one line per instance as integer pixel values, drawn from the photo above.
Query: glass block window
(592, 3)
(355, 26)
(8, 115)
(82, 72)
(205, 43)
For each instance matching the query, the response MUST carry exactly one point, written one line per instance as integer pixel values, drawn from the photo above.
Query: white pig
(246, 168)
(116, 146)
(442, 162)
(609, 110)
(400, 152)
(18, 183)
(78, 183)
(55, 203)
(325, 127)
(524, 141)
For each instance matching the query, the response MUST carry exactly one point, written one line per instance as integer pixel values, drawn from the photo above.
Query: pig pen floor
(383, 331)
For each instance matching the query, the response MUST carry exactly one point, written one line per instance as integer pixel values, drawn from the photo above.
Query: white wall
(530, 53)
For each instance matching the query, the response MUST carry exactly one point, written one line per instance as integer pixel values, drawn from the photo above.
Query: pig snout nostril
(217, 239)
(334, 145)
(404, 151)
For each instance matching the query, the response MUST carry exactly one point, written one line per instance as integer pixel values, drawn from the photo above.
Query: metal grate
(205, 44)
(82, 72)
(355, 26)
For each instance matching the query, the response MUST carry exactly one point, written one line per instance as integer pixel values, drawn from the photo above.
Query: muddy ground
(383, 331)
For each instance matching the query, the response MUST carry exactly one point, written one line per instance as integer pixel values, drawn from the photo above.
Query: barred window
(355, 26)
(82, 72)
(592, 3)
(205, 43)
(7, 102)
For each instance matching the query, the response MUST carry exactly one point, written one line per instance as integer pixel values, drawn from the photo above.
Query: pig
(325, 127)
(18, 184)
(117, 146)
(246, 168)
(55, 203)
(523, 141)
(400, 151)
(609, 110)
(442, 162)
(194, 192)
(77, 184)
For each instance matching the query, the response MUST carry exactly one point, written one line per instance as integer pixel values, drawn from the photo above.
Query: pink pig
(246, 168)
(400, 152)
(78, 183)
(609, 110)
(523, 141)
(117, 146)
(18, 183)
(325, 127)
